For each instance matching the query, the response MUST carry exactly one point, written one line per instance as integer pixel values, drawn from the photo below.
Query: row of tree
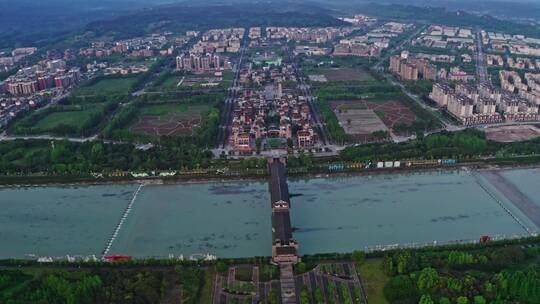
(500, 275)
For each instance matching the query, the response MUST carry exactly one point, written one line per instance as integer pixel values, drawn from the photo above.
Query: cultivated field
(360, 118)
(170, 119)
(512, 133)
(360, 122)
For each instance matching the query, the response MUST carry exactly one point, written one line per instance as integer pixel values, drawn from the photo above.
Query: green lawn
(374, 280)
(228, 76)
(69, 118)
(108, 86)
(171, 82)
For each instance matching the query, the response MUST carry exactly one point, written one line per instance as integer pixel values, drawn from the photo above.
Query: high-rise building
(395, 64)
(409, 72)
(205, 63)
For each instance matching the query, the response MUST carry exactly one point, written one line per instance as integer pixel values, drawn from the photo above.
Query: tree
(273, 296)
(454, 285)
(400, 287)
(331, 289)
(359, 257)
(426, 299)
(301, 267)
(405, 262)
(97, 152)
(428, 279)
(462, 300)
(304, 296)
(479, 300)
(319, 296)
(444, 300)
(221, 266)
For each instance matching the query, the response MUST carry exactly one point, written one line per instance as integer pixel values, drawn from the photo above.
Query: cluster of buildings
(10, 60)
(255, 33)
(494, 60)
(412, 68)
(270, 113)
(521, 63)
(529, 89)
(257, 74)
(119, 68)
(150, 46)
(309, 50)
(11, 107)
(48, 74)
(483, 104)
(207, 54)
(219, 41)
(359, 20)
(250, 120)
(442, 58)
(438, 36)
(201, 63)
(125, 69)
(372, 43)
(517, 63)
(514, 44)
(309, 34)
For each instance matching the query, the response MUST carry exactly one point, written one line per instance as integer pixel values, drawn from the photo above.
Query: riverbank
(62, 180)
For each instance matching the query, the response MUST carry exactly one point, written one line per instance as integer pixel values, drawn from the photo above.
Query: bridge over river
(284, 246)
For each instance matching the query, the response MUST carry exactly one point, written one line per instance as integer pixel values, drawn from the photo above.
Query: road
(227, 113)
(5, 137)
(306, 92)
(481, 68)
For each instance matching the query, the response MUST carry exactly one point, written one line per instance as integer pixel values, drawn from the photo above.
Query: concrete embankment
(513, 194)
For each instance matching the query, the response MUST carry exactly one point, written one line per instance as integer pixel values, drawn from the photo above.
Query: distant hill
(45, 22)
(30, 22)
(508, 9)
(200, 17)
(440, 15)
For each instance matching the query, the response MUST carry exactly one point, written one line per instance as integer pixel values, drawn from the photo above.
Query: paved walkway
(288, 293)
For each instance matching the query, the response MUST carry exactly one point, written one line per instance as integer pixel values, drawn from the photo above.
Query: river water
(233, 219)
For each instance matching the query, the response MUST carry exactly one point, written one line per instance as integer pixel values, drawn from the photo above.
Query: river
(233, 219)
